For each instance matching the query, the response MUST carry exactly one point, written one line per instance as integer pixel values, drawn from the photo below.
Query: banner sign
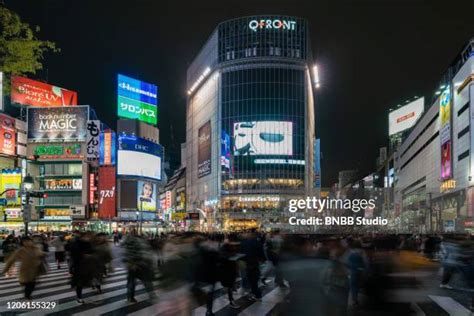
(204, 150)
(7, 135)
(57, 123)
(34, 93)
(92, 143)
(107, 146)
(62, 151)
(106, 186)
(445, 133)
(137, 99)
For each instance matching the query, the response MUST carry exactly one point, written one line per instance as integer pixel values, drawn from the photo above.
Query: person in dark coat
(228, 270)
(83, 264)
(252, 248)
(206, 273)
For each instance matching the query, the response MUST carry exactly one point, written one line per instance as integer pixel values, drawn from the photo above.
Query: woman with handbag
(31, 265)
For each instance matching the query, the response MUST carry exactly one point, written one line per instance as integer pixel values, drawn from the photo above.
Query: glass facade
(263, 111)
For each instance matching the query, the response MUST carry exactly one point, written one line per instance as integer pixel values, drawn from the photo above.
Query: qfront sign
(137, 99)
(272, 24)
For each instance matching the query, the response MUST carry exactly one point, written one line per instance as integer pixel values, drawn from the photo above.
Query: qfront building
(434, 165)
(250, 121)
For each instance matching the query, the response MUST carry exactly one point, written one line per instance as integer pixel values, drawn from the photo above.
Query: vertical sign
(471, 132)
(93, 131)
(7, 135)
(317, 163)
(107, 149)
(445, 133)
(107, 192)
(137, 99)
(92, 188)
(204, 150)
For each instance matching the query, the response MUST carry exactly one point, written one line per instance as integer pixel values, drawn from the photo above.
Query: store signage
(137, 216)
(34, 93)
(63, 184)
(77, 210)
(92, 143)
(272, 24)
(7, 135)
(57, 214)
(92, 188)
(447, 185)
(259, 199)
(10, 182)
(107, 149)
(106, 187)
(50, 124)
(193, 216)
(62, 151)
(204, 150)
(137, 99)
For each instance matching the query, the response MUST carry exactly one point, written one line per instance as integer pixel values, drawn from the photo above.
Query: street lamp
(27, 186)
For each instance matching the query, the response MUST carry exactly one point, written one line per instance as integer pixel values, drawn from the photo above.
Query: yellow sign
(11, 181)
(447, 185)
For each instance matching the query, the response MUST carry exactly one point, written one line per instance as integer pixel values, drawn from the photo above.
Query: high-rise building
(250, 120)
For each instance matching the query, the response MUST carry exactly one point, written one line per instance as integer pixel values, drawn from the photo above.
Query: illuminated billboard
(50, 124)
(106, 187)
(7, 135)
(445, 134)
(139, 157)
(405, 117)
(34, 93)
(263, 138)
(107, 154)
(146, 196)
(137, 99)
(204, 150)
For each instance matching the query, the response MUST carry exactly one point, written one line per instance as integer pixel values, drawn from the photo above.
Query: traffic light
(38, 194)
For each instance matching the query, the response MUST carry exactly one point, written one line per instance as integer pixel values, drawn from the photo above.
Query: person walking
(252, 248)
(58, 243)
(139, 265)
(356, 261)
(30, 258)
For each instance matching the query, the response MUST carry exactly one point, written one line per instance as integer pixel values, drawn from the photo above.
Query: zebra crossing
(55, 286)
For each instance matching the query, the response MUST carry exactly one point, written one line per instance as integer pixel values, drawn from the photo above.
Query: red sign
(7, 135)
(34, 93)
(107, 192)
(405, 117)
(92, 187)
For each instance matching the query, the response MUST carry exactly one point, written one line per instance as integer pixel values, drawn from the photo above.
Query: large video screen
(263, 138)
(405, 117)
(146, 193)
(139, 158)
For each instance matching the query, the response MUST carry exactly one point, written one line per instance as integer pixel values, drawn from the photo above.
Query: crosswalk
(55, 286)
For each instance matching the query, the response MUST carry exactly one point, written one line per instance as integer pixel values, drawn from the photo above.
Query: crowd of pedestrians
(192, 264)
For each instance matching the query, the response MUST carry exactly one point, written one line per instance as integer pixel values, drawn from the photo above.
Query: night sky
(372, 55)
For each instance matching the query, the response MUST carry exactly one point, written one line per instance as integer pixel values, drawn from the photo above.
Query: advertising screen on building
(225, 151)
(52, 124)
(137, 99)
(204, 150)
(263, 138)
(7, 135)
(146, 193)
(34, 93)
(56, 151)
(405, 117)
(11, 181)
(63, 184)
(139, 157)
(108, 154)
(107, 193)
(445, 133)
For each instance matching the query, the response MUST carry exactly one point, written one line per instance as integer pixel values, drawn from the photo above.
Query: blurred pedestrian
(252, 248)
(30, 258)
(59, 251)
(102, 250)
(356, 261)
(116, 238)
(139, 265)
(228, 269)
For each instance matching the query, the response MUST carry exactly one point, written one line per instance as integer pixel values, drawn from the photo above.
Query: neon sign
(277, 24)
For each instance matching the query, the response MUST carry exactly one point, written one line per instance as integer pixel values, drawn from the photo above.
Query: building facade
(250, 120)
(433, 183)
